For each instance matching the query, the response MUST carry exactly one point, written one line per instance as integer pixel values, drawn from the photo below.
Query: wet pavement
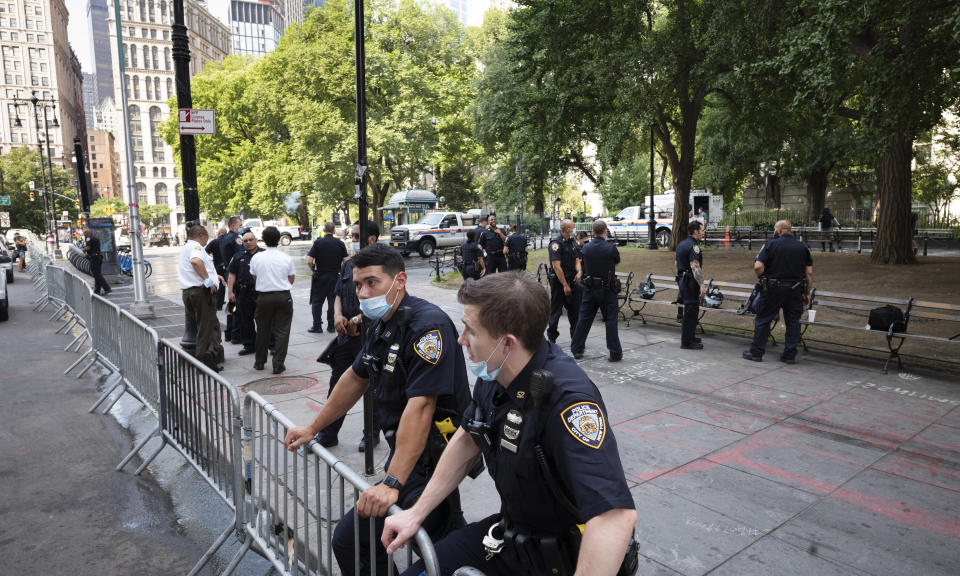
(824, 467)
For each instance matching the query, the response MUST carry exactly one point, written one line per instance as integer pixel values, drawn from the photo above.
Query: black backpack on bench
(883, 317)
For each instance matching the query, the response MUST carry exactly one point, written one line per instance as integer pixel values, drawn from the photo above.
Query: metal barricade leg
(78, 341)
(106, 394)
(216, 546)
(58, 313)
(139, 446)
(83, 357)
(68, 324)
(96, 359)
(163, 442)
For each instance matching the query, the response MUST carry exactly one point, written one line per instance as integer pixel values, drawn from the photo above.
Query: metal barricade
(77, 298)
(104, 328)
(294, 499)
(56, 290)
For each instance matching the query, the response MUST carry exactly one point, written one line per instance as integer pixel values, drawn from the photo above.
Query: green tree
(154, 215)
(107, 207)
(20, 167)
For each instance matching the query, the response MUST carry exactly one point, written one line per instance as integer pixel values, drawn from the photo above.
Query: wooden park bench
(854, 309)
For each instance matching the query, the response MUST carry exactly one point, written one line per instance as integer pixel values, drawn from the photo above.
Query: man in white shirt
(274, 274)
(199, 282)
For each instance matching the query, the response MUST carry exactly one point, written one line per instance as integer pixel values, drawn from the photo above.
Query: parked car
(5, 261)
(434, 230)
(287, 233)
(6, 264)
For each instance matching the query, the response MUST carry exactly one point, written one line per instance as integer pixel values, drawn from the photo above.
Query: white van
(631, 222)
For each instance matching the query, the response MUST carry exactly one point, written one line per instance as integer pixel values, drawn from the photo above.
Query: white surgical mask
(479, 369)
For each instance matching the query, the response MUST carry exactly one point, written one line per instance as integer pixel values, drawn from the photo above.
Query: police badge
(430, 346)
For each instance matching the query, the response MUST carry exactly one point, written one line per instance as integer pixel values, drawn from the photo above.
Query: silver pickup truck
(434, 230)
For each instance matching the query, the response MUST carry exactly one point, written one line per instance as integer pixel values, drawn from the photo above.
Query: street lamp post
(652, 220)
(520, 174)
(48, 204)
(584, 196)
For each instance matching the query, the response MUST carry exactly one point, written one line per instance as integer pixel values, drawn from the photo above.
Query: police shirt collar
(519, 389)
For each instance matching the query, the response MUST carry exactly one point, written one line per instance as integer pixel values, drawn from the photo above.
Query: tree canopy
(20, 167)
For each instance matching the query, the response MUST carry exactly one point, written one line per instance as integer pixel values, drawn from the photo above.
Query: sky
(79, 37)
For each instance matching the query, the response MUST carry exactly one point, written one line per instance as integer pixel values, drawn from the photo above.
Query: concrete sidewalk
(63, 508)
(825, 467)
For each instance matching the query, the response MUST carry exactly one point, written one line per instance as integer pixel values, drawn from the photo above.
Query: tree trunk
(682, 171)
(894, 230)
(816, 192)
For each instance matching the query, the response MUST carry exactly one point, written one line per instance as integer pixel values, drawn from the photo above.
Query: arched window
(143, 172)
(136, 87)
(150, 9)
(149, 87)
(125, 57)
(156, 143)
(142, 193)
(166, 58)
(169, 88)
(146, 56)
(126, 78)
(156, 87)
(136, 133)
(179, 190)
(163, 12)
(133, 56)
(160, 192)
(143, 11)
(156, 172)
(156, 61)
(163, 171)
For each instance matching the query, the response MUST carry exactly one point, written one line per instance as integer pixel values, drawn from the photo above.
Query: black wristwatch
(392, 482)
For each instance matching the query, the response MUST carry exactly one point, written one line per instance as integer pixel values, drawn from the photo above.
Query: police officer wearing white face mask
(415, 369)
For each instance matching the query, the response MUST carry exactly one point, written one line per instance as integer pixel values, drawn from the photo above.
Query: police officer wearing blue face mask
(415, 369)
(542, 429)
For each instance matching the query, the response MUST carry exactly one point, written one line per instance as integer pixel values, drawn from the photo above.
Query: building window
(142, 193)
(156, 142)
(156, 61)
(156, 172)
(169, 88)
(166, 58)
(127, 78)
(160, 192)
(146, 56)
(136, 134)
(163, 12)
(143, 172)
(150, 10)
(156, 87)
(149, 87)
(136, 87)
(163, 171)
(133, 56)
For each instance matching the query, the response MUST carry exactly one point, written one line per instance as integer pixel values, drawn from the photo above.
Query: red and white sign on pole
(196, 121)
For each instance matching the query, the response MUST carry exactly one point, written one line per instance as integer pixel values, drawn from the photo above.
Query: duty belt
(783, 283)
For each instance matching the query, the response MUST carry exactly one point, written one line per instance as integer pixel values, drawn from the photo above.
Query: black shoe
(325, 441)
(314, 330)
(615, 358)
(258, 366)
(363, 443)
(245, 351)
(552, 339)
(331, 329)
(788, 359)
(748, 355)
(235, 341)
(578, 355)
(697, 341)
(217, 369)
(279, 369)
(97, 292)
(694, 346)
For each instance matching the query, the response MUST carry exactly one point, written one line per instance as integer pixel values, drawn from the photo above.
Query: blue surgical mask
(376, 307)
(356, 247)
(480, 368)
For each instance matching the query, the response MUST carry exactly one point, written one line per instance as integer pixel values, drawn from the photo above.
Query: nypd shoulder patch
(430, 346)
(585, 422)
(554, 247)
(696, 248)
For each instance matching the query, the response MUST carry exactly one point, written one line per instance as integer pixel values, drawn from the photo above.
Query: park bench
(854, 310)
(445, 261)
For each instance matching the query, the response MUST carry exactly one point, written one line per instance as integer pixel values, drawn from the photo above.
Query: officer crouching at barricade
(691, 285)
(564, 274)
(600, 289)
(542, 429)
(516, 249)
(785, 269)
(241, 289)
(416, 372)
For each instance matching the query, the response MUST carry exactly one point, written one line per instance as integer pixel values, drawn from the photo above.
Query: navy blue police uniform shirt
(567, 252)
(517, 243)
(577, 440)
(491, 242)
(230, 245)
(785, 258)
(470, 251)
(94, 244)
(328, 253)
(428, 363)
(347, 291)
(240, 267)
(479, 230)
(687, 251)
(600, 258)
(213, 249)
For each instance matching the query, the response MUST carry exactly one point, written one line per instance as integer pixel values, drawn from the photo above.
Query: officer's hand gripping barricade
(544, 554)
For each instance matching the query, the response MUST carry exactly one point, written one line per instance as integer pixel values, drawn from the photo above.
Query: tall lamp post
(49, 204)
(520, 174)
(584, 196)
(652, 220)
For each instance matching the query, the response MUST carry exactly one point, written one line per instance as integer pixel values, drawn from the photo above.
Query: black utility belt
(275, 292)
(557, 554)
(780, 283)
(594, 282)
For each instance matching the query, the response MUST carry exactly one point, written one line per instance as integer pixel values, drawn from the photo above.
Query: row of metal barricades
(284, 504)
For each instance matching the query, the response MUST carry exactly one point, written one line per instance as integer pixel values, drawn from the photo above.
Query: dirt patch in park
(932, 278)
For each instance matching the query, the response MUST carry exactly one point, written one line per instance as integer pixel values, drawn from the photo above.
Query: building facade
(150, 84)
(37, 59)
(256, 26)
(97, 11)
(103, 164)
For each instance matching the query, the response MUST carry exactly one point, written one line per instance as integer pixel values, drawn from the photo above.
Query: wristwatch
(392, 482)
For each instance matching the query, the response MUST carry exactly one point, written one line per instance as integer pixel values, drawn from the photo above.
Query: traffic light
(76, 203)
(31, 195)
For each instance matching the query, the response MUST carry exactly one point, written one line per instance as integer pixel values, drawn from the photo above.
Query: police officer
(341, 351)
(785, 268)
(325, 258)
(416, 372)
(472, 256)
(691, 284)
(198, 281)
(95, 257)
(241, 289)
(516, 250)
(542, 428)
(564, 274)
(600, 289)
(492, 243)
(231, 245)
(213, 248)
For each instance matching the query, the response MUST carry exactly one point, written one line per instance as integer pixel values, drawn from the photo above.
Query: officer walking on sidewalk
(691, 284)
(785, 269)
(241, 288)
(542, 428)
(415, 369)
(95, 257)
(600, 289)
(274, 273)
(325, 258)
(564, 274)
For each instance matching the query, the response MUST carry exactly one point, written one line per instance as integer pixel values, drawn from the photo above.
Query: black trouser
(470, 271)
(96, 269)
(243, 323)
(444, 518)
(559, 301)
(344, 353)
(496, 262)
(690, 298)
(200, 304)
(322, 290)
(274, 313)
(518, 262)
(769, 303)
(606, 301)
(222, 290)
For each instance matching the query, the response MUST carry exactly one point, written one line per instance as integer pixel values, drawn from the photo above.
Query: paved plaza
(824, 467)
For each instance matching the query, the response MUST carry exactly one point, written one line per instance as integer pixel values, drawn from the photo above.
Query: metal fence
(104, 328)
(291, 524)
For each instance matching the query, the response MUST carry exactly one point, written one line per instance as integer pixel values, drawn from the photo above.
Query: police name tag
(508, 445)
(585, 422)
